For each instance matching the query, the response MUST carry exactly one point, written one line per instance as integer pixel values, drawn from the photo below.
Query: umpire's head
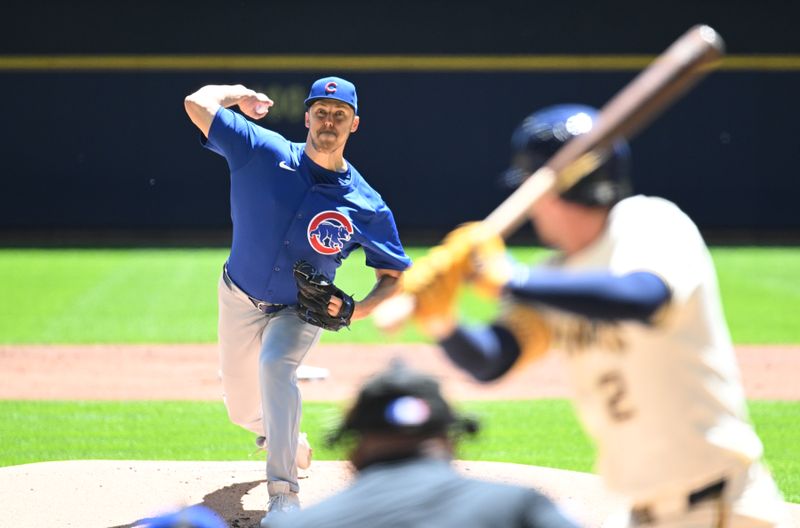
(400, 413)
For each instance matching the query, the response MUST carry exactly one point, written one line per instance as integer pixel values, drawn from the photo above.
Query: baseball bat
(662, 83)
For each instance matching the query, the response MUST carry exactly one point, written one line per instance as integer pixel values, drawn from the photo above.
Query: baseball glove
(314, 292)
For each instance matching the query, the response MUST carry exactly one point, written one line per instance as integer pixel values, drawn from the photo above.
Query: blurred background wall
(95, 142)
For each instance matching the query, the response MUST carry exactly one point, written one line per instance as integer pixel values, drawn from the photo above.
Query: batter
(631, 300)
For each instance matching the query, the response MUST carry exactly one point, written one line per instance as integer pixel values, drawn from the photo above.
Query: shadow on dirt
(227, 502)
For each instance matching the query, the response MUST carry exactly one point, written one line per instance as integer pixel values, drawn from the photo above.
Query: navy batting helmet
(542, 133)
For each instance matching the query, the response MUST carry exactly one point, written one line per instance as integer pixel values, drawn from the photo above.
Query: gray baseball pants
(259, 356)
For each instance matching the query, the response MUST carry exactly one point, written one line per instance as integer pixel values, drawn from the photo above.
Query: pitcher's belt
(263, 306)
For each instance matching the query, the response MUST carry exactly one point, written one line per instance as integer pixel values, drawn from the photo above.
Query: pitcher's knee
(277, 368)
(247, 417)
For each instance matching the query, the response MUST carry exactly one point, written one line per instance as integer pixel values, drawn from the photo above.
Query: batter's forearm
(486, 352)
(594, 294)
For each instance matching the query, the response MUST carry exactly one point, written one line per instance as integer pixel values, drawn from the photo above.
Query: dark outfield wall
(112, 148)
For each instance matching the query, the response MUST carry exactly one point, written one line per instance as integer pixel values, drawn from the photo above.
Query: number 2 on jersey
(613, 386)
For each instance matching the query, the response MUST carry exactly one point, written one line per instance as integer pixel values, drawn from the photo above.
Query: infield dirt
(121, 493)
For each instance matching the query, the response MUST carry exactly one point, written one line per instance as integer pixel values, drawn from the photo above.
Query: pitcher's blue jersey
(285, 207)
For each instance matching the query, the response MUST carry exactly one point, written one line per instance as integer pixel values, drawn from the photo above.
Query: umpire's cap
(540, 136)
(402, 401)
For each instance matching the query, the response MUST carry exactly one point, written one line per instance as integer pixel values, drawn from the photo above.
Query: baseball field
(109, 354)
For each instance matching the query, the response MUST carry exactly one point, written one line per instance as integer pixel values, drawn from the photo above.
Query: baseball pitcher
(298, 210)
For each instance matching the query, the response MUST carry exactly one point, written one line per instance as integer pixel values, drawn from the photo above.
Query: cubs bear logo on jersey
(328, 231)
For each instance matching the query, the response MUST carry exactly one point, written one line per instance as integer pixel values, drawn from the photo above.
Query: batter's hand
(489, 265)
(436, 279)
(255, 105)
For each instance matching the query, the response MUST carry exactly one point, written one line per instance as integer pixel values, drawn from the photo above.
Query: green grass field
(527, 432)
(169, 296)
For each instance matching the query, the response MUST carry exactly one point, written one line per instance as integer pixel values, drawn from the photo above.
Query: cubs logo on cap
(333, 88)
(328, 231)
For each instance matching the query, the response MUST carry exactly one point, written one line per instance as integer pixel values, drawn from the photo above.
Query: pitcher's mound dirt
(123, 494)
(103, 494)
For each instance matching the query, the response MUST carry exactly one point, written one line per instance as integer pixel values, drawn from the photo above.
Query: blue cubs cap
(333, 88)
